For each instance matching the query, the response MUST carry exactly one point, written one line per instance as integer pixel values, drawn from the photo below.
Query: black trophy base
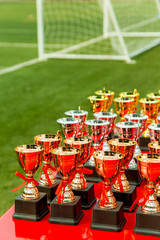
(66, 213)
(50, 191)
(32, 210)
(127, 198)
(108, 219)
(87, 196)
(91, 177)
(133, 176)
(143, 143)
(147, 224)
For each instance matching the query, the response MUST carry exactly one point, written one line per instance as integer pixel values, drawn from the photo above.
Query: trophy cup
(148, 215)
(48, 184)
(79, 185)
(106, 93)
(99, 103)
(30, 205)
(150, 108)
(122, 190)
(80, 114)
(70, 126)
(108, 214)
(96, 130)
(154, 96)
(131, 130)
(66, 208)
(154, 132)
(134, 94)
(123, 106)
(109, 117)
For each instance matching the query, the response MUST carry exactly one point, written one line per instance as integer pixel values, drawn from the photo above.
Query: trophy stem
(107, 199)
(79, 181)
(66, 195)
(91, 160)
(30, 191)
(121, 182)
(151, 204)
(47, 174)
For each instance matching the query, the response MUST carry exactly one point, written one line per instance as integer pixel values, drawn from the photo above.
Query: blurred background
(34, 97)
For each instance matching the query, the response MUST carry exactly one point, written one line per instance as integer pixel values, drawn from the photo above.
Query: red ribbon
(44, 169)
(28, 179)
(120, 183)
(104, 197)
(85, 171)
(142, 197)
(61, 189)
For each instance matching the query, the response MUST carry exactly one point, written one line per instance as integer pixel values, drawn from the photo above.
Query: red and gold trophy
(108, 214)
(70, 126)
(30, 205)
(96, 130)
(148, 215)
(124, 105)
(48, 184)
(154, 96)
(66, 208)
(134, 94)
(109, 117)
(154, 132)
(82, 115)
(79, 184)
(122, 190)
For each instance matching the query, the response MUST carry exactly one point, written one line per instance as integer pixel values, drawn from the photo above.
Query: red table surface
(11, 229)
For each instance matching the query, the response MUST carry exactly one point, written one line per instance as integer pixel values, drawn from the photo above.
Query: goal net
(97, 29)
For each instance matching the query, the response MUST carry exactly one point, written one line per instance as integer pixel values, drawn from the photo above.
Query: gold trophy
(30, 158)
(147, 216)
(121, 186)
(134, 94)
(154, 96)
(108, 165)
(48, 184)
(124, 105)
(79, 184)
(66, 205)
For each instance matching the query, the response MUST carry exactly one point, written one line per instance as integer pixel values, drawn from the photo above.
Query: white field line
(18, 66)
(30, 45)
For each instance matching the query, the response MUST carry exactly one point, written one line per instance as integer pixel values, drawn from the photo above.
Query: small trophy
(66, 208)
(148, 215)
(134, 94)
(124, 105)
(108, 214)
(122, 190)
(79, 185)
(96, 130)
(30, 205)
(109, 117)
(80, 114)
(70, 126)
(48, 184)
(154, 132)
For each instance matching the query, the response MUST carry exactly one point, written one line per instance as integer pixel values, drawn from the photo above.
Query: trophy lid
(78, 140)
(105, 115)
(129, 94)
(154, 126)
(123, 99)
(148, 100)
(68, 120)
(98, 98)
(104, 92)
(153, 95)
(128, 124)
(31, 148)
(65, 151)
(96, 122)
(149, 158)
(48, 137)
(108, 155)
(122, 142)
(155, 145)
(135, 116)
(76, 112)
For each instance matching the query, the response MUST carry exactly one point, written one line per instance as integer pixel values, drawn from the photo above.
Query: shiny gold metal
(149, 107)
(123, 105)
(108, 165)
(30, 158)
(133, 94)
(149, 169)
(127, 148)
(48, 142)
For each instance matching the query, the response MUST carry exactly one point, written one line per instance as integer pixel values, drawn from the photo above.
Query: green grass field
(33, 98)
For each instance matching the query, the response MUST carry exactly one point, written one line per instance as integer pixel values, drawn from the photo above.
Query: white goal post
(97, 29)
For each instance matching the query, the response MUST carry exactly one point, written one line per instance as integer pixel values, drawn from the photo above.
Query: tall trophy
(79, 185)
(48, 183)
(66, 208)
(123, 105)
(150, 108)
(80, 114)
(109, 117)
(70, 126)
(148, 215)
(30, 205)
(154, 132)
(108, 214)
(96, 130)
(122, 190)
(133, 94)
(131, 130)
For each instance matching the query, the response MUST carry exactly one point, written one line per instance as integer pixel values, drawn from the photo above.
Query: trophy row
(88, 153)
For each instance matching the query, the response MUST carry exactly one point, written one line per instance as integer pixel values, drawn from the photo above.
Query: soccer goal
(97, 29)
